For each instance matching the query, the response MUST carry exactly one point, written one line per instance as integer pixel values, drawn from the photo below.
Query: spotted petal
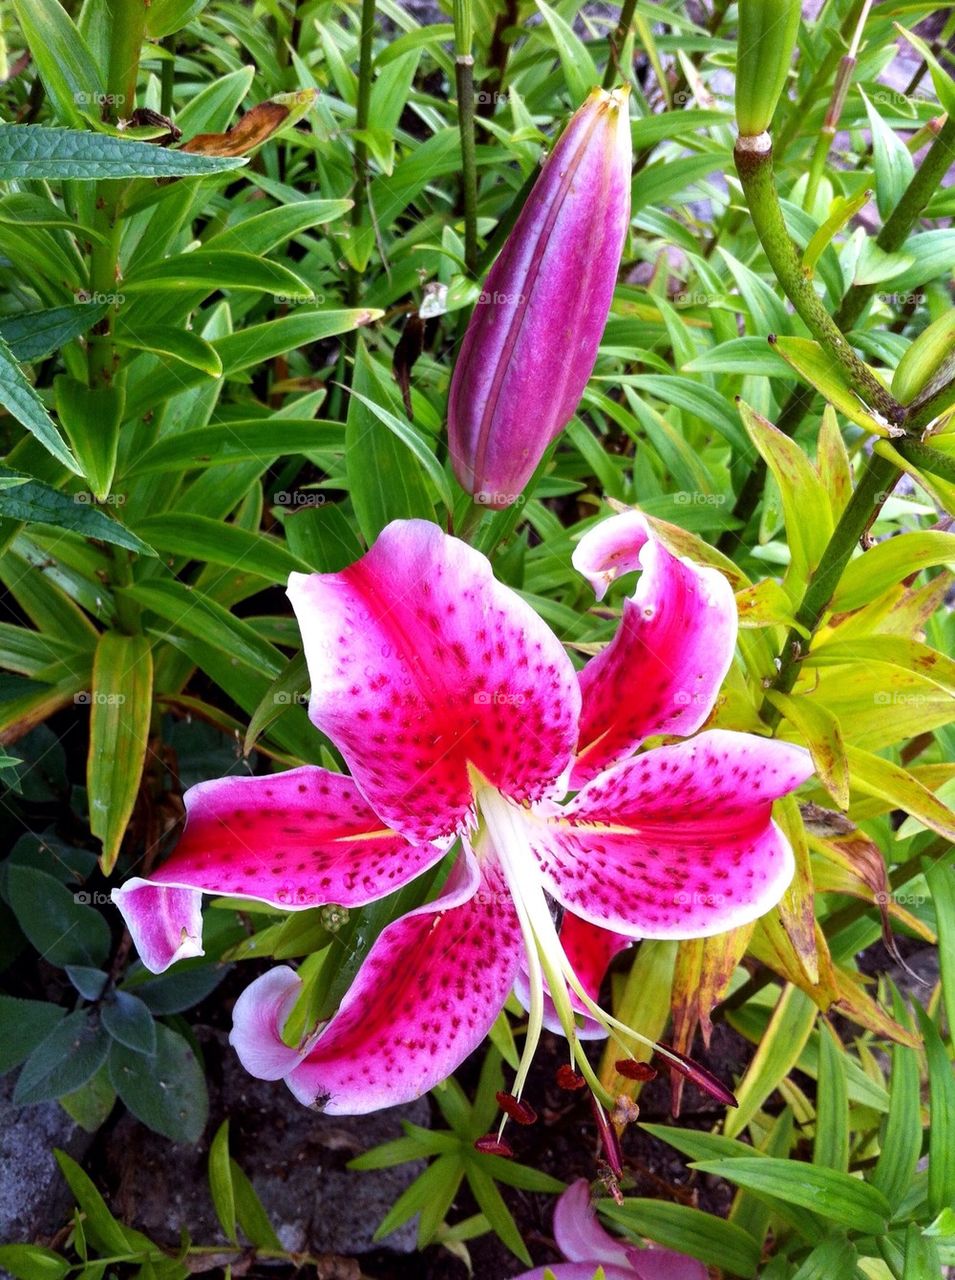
(425, 997)
(421, 664)
(297, 839)
(663, 669)
(678, 842)
(589, 950)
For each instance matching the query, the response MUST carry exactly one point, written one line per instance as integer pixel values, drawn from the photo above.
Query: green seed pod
(924, 357)
(765, 43)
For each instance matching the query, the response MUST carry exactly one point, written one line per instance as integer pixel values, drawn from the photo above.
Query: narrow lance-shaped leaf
(119, 731)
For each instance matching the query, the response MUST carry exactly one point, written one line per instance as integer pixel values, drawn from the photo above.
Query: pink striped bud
(532, 341)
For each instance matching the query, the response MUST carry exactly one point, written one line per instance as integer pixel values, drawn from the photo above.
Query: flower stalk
(754, 164)
(464, 82)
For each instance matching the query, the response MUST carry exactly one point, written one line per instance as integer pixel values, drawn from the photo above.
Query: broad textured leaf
(91, 417)
(38, 503)
(58, 922)
(20, 399)
(73, 1051)
(34, 151)
(33, 335)
(23, 1025)
(165, 1090)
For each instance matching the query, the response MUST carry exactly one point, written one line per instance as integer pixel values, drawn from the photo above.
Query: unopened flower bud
(765, 42)
(532, 340)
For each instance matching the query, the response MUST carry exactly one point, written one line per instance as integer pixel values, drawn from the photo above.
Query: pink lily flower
(460, 715)
(587, 1247)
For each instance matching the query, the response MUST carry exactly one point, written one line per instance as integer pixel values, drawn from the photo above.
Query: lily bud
(765, 43)
(928, 353)
(532, 341)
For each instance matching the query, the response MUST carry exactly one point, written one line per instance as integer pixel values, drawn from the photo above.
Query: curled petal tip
(164, 921)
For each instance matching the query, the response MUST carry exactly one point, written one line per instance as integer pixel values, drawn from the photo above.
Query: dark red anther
(567, 1078)
(699, 1075)
(519, 1112)
(630, 1069)
(608, 1139)
(491, 1145)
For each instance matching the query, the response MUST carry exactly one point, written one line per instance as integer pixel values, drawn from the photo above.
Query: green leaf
(217, 269)
(492, 1205)
(820, 731)
(89, 982)
(245, 440)
(220, 1182)
(202, 538)
(20, 399)
(119, 732)
(940, 878)
(250, 1212)
(941, 79)
(776, 1055)
(838, 1196)
(23, 1025)
(887, 563)
(67, 68)
(875, 776)
(827, 376)
(894, 166)
(90, 1105)
(385, 484)
(35, 152)
(91, 417)
(33, 1262)
(805, 502)
(57, 922)
(102, 1229)
(263, 231)
(179, 344)
(901, 1139)
(165, 17)
(831, 1146)
(165, 1090)
(833, 1259)
(38, 503)
(33, 335)
(579, 70)
(941, 1134)
(128, 1020)
(73, 1051)
(416, 443)
(690, 1231)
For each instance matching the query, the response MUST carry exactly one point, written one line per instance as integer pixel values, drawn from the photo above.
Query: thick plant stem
(754, 164)
(127, 32)
(875, 484)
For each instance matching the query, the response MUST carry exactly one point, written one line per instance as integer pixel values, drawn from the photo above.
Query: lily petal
(257, 1021)
(422, 664)
(662, 671)
(425, 998)
(297, 839)
(589, 950)
(678, 842)
(663, 1264)
(576, 1271)
(165, 923)
(578, 1234)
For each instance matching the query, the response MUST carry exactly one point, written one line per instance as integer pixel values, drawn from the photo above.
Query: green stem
(875, 484)
(754, 164)
(903, 217)
(362, 108)
(616, 41)
(927, 459)
(464, 79)
(926, 410)
(127, 33)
